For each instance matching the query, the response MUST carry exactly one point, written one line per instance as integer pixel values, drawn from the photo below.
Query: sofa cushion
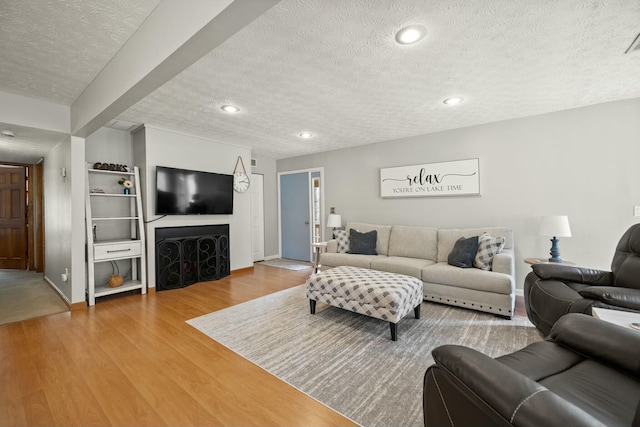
(342, 239)
(363, 243)
(470, 278)
(464, 252)
(414, 242)
(329, 259)
(401, 265)
(447, 237)
(488, 247)
(382, 243)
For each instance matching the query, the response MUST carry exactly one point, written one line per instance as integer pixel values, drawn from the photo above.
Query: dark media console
(187, 255)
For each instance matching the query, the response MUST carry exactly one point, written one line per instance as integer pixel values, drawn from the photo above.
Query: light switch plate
(636, 211)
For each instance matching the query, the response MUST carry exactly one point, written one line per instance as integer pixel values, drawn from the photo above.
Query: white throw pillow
(488, 247)
(342, 237)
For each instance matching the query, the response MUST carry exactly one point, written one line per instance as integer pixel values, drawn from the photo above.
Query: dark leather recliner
(551, 290)
(586, 373)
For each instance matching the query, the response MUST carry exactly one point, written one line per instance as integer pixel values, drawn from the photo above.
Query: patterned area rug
(289, 264)
(348, 361)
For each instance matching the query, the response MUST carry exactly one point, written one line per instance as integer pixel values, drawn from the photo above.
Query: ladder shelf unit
(128, 245)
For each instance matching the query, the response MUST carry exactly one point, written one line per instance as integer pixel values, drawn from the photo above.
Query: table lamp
(555, 226)
(334, 220)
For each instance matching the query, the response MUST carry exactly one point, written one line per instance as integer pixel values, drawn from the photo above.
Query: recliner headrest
(626, 261)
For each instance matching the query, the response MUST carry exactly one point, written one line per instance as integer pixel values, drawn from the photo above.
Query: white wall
(580, 162)
(57, 216)
(267, 167)
(158, 147)
(78, 229)
(64, 218)
(110, 146)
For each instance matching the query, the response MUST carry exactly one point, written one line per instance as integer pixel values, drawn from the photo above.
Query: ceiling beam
(33, 113)
(173, 37)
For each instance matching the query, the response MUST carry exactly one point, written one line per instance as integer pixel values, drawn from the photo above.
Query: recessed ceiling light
(411, 34)
(230, 109)
(305, 135)
(7, 133)
(453, 101)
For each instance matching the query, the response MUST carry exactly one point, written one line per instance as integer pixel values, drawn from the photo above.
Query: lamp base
(555, 251)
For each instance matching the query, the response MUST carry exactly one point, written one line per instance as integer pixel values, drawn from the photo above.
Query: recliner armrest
(613, 295)
(569, 273)
(332, 246)
(600, 340)
(515, 397)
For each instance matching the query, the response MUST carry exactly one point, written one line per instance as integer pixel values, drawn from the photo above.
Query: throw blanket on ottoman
(379, 294)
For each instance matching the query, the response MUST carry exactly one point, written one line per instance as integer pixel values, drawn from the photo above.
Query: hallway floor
(25, 295)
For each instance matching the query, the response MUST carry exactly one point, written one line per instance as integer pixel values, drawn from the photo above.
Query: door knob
(306, 222)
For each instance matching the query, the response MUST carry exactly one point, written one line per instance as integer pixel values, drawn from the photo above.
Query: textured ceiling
(52, 49)
(29, 145)
(333, 68)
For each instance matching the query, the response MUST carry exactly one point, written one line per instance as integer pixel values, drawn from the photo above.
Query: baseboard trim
(242, 270)
(270, 257)
(520, 292)
(75, 306)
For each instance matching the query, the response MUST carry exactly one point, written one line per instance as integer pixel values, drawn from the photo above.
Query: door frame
(310, 196)
(251, 176)
(39, 217)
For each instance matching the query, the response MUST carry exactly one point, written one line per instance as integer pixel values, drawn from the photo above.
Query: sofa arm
(504, 262)
(568, 273)
(469, 382)
(332, 246)
(596, 339)
(612, 295)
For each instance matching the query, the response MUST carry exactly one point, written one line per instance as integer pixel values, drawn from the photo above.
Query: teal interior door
(295, 224)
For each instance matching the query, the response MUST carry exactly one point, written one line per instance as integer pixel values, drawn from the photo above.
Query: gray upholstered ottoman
(379, 294)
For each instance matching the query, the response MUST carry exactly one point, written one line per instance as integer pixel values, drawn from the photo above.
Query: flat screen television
(189, 192)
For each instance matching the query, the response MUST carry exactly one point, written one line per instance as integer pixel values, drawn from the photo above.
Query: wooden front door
(13, 219)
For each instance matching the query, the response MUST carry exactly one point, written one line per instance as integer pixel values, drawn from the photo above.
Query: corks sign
(456, 178)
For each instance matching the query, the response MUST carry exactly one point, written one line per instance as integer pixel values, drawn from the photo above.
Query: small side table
(621, 318)
(546, 261)
(319, 248)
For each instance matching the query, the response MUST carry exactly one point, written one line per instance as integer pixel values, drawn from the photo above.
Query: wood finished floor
(132, 360)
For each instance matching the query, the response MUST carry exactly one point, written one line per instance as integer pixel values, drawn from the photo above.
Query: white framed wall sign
(457, 178)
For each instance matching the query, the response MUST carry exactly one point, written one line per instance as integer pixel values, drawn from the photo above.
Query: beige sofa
(422, 252)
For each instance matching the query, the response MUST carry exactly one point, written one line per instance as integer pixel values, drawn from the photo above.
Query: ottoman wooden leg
(416, 311)
(394, 331)
(312, 305)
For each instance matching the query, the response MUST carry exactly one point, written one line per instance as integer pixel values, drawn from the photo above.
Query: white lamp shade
(334, 221)
(555, 226)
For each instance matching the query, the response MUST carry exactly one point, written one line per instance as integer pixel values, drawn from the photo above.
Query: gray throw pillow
(464, 252)
(363, 243)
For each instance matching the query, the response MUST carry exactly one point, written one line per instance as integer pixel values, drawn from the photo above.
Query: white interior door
(257, 216)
